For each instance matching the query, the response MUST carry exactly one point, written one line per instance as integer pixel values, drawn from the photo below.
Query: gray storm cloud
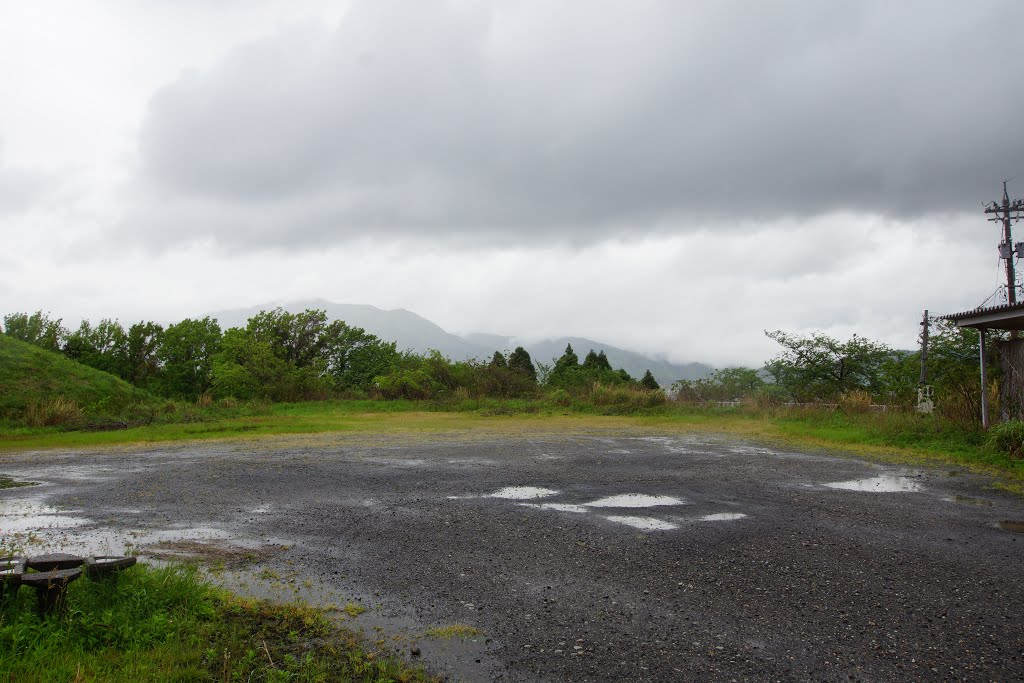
(528, 121)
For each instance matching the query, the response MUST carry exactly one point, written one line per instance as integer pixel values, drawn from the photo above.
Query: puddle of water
(644, 523)
(722, 517)
(1012, 526)
(558, 507)
(522, 493)
(886, 483)
(633, 500)
(26, 515)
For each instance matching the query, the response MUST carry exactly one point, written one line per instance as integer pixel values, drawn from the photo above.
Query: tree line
(283, 356)
(817, 368)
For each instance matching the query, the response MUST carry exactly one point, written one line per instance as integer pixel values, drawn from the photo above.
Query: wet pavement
(576, 558)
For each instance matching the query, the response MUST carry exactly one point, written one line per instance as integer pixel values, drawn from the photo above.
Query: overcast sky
(669, 176)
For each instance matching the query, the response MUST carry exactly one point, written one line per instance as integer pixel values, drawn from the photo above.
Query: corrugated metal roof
(1001, 308)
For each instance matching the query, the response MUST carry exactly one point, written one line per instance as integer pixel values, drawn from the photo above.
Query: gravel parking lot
(578, 558)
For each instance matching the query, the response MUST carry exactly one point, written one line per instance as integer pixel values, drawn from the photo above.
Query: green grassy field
(168, 625)
(895, 437)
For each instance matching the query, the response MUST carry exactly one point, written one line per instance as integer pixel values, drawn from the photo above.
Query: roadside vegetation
(288, 373)
(166, 624)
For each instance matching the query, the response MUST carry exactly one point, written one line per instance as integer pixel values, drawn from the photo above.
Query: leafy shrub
(560, 397)
(411, 384)
(1008, 438)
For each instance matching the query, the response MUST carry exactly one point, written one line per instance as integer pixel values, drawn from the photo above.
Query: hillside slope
(31, 376)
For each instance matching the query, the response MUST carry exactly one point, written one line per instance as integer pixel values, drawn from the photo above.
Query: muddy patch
(225, 555)
(1014, 526)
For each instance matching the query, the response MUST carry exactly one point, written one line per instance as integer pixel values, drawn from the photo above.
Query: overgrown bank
(167, 625)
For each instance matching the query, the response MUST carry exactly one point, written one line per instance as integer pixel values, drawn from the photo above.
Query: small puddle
(644, 523)
(968, 500)
(886, 483)
(633, 500)
(558, 507)
(1011, 525)
(722, 517)
(522, 493)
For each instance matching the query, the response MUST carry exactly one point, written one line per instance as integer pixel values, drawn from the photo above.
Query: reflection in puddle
(522, 493)
(886, 483)
(722, 517)
(645, 523)
(1012, 526)
(633, 500)
(559, 507)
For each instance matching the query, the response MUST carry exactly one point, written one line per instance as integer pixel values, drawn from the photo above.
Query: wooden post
(984, 378)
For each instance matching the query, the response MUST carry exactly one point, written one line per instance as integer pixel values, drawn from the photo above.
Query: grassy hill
(39, 388)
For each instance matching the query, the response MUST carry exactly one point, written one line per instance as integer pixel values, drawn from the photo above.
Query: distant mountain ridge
(416, 333)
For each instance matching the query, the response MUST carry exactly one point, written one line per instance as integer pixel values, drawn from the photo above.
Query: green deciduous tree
(38, 329)
(144, 339)
(104, 347)
(187, 356)
(726, 384)
(817, 367)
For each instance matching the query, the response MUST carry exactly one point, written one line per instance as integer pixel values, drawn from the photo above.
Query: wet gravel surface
(731, 562)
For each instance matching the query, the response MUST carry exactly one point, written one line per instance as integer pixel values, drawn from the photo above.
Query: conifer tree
(648, 381)
(520, 361)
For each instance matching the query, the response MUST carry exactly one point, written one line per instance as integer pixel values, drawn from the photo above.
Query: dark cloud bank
(528, 120)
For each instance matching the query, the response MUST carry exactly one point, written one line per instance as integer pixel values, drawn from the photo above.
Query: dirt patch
(215, 554)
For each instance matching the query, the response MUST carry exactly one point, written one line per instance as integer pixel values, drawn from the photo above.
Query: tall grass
(167, 625)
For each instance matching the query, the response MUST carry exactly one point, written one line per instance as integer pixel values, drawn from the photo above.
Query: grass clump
(1008, 438)
(167, 625)
(451, 631)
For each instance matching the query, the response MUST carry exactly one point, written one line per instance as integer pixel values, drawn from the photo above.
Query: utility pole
(925, 402)
(1006, 213)
(924, 349)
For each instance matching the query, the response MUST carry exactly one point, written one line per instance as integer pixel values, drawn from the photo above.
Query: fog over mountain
(416, 333)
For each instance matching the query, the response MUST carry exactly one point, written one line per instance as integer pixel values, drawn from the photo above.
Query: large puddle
(18, 516)
(633, 500)
(885, 483)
